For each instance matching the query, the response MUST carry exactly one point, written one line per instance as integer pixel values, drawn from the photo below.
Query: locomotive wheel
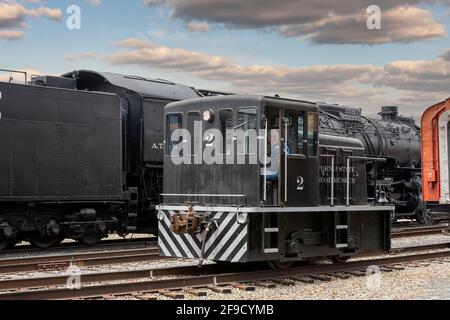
(45, 242)
(339, 259)
(280, 265)
(91, 238)
(424, 218)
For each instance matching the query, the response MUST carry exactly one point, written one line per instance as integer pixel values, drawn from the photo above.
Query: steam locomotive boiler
(393, 137)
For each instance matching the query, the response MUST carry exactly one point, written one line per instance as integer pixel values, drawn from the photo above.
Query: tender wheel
(277, 264)
(91, 239)
(45, 241)
(339, 259)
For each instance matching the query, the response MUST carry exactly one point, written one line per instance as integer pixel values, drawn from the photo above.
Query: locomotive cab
(250, 178)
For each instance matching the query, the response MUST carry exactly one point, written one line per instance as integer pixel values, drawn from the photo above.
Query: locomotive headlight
(208, 116)
(160, 215)
(242, 218)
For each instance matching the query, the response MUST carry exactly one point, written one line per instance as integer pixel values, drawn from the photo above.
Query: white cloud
(319, 21)
(13, 16)
(196, 26)
(399, 82)
(80, 55)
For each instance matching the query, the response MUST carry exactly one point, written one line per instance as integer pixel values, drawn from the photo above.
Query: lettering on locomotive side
(340, 175)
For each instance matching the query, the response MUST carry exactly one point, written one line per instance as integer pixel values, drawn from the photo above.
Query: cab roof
(233, 101)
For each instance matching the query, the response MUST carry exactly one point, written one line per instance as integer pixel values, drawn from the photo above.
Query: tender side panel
(59, 144)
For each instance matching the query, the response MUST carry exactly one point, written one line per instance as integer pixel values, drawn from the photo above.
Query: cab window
(301, 134)
(226, 123)
(193, 118)
(313, 134)
(173, 122)
(247, 122)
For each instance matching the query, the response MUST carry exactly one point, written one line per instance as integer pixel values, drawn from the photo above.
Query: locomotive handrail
(333, 157)
(207, 195)
(348, 172)
(203, 195)
(266, 126)
(16, 71)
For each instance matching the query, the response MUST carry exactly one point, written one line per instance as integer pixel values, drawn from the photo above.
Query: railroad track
(420, 231)
(73, 246)
(149, 252)
(176, 281)
(134, 250)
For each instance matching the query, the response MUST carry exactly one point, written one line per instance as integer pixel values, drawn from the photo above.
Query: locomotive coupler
(187, 223)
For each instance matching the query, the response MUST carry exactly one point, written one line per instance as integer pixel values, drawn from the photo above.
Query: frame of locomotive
(318, 205)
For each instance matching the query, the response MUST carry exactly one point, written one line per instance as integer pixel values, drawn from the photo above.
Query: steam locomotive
(81, 156)
(393, 137)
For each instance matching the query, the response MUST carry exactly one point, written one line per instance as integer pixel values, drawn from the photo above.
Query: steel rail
(136, 242)
(37, 265)
(202, 280)
(422, 231)
(151, 272)
(76, 256)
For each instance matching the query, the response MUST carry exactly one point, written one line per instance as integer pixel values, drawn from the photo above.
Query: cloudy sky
(308, 49)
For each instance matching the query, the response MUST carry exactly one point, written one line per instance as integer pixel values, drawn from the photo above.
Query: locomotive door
(300, 173)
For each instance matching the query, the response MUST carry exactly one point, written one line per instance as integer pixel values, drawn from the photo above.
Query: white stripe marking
(181, 241)
(239, 255)
(224, 241)
(171, 244)
(163, 248)
(231, 248)
(217, 233)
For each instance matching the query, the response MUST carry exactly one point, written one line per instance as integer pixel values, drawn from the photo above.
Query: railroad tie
(243, 287)
(338, 275)
(396, 267)
(196, 292)
(306, 280)
(284, 282)
(171, 294)
(356, 273)
(220, 289)
(268, 285)
(147, 297)
(385, 269)
(320, 277)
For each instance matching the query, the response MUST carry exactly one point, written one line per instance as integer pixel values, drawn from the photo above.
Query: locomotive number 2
(300, 183)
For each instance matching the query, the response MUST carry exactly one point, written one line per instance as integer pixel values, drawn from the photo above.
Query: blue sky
(47, 42)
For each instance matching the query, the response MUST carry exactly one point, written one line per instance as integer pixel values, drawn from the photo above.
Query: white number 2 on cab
(300, 183)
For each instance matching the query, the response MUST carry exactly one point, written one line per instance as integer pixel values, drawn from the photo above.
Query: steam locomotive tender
(278, 190)
(81, 156)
